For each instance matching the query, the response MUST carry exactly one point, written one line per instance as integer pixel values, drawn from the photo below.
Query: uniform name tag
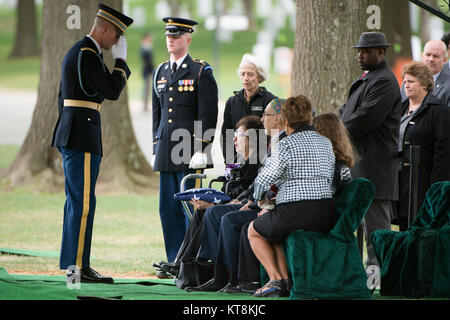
(257, 108)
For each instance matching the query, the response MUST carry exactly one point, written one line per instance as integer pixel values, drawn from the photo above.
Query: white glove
(198, 161)
(119, 50)
(153, 160)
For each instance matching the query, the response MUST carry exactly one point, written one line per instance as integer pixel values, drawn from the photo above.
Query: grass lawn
(127, 236)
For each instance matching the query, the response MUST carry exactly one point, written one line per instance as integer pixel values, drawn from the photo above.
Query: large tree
(26, 38)
(124, 167)
(324, 63)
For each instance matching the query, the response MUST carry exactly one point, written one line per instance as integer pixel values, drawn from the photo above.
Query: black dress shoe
(229, 288)
(163, 275)
(211, 286)
(170, 267)
(89, 275)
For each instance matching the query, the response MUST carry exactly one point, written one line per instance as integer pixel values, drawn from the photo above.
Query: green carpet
(33, 253)
(43, 287)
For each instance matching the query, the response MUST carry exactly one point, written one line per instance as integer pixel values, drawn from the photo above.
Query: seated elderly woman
(302, 167)
(251, 100)
(250, 155)
(424, 122)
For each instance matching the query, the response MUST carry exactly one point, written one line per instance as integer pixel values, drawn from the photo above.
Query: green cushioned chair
(328, 266)
(416, 262)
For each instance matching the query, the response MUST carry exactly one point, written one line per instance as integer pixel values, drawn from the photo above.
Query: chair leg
(360, 239)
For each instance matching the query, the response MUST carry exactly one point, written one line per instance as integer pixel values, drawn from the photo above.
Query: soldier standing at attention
(184, 104)
(85, 83)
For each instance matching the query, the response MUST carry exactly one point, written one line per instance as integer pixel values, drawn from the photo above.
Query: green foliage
(24, 73)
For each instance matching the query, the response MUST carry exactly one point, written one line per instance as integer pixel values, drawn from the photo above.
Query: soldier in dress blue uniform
(85, 83)
(184, 120)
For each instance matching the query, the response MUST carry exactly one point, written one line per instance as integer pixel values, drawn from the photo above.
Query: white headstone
(162, 10)
(204, 8)
(264, 8)
(263, 52)
(283, 60)
(138, 14)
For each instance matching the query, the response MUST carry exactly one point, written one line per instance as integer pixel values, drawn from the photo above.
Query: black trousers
(248, 266)
(229, 236)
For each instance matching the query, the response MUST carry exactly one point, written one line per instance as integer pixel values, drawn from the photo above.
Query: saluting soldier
(184, 97)
(85, 83)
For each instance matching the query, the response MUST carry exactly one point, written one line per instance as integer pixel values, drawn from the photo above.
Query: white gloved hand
(198, 161)
(119, 50)
(153, 160)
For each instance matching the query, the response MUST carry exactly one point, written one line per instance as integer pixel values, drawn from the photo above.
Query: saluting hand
(119, 50)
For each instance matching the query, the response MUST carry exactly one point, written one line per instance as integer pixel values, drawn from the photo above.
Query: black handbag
(194, 273)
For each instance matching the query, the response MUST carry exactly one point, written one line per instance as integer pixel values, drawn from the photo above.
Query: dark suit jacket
(429, 129)
(372, 117)
(189, 97)
(441, 87)
(85, 77)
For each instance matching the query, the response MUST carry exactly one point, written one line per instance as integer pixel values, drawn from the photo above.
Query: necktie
(174, 68)
(364, 74)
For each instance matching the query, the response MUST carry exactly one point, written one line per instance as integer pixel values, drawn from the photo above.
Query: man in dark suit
(85, 83)
(372, 117)
(185, 97)
(434, 55)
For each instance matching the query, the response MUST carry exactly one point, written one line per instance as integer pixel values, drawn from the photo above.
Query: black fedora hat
(372, 40)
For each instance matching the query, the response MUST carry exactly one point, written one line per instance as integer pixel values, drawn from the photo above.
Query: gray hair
(261, 69)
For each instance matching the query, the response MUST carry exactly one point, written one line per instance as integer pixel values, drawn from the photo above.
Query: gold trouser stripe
(82, 104)
(86, 197)
(198, 180)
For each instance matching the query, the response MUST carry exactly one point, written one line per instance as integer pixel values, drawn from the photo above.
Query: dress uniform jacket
(85, 77)
(179, 101)
(372, 116)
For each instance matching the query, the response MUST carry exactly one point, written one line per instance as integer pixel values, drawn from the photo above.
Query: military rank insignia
(161, 83)
(186, 85)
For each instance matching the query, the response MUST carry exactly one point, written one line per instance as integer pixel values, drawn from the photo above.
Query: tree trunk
(124, 167)
(324, 63)
(26, 40)
(249, 12)
(398, 32)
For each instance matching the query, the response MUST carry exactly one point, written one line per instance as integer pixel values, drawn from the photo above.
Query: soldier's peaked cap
(115, 17)
(177, 26)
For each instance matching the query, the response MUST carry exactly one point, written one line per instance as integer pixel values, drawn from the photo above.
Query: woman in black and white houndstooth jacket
(302, 167)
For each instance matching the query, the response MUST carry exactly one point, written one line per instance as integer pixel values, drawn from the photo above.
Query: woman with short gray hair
(250, 100)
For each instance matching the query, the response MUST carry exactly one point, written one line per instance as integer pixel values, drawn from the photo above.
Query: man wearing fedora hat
(372, 116)
(85, 83)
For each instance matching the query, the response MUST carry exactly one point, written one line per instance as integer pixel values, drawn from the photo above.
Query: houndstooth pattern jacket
(302, 166)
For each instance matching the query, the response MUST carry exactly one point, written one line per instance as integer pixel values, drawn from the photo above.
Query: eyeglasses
(269, 114)
(240, 134)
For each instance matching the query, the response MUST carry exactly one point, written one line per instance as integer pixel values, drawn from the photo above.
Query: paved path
(16, 111)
